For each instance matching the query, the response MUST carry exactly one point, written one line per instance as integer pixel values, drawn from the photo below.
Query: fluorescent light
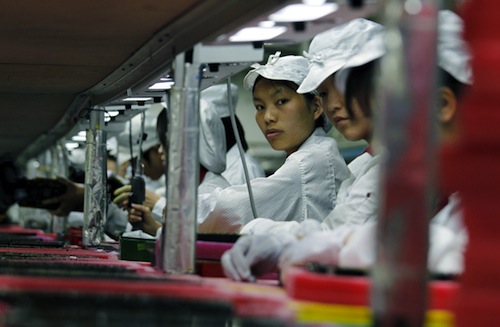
(79, 138)
(113, 113)
(267, 23)
(71, 145)
(314, 2)
(137, 99)
(82, 133)
(302, 13)
(107, 119)
(250, 34)
(162, 86)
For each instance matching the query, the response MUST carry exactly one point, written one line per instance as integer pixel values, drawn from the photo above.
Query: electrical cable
(240, 147)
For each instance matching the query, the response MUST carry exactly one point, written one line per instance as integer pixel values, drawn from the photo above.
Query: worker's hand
(122, 194)
(71, 200)
(142, 213)
(254, 255)
(320, 247)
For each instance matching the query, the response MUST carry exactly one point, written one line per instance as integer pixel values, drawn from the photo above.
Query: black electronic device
(137, 196)
(32, 192)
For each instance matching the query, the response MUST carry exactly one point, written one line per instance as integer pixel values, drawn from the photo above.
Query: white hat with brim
(123, 139)
(352, 44)
(217, 95)
(287, 68)
(212, 138)
(453, 54)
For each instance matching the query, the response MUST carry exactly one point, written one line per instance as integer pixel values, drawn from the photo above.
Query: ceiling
(59, 58)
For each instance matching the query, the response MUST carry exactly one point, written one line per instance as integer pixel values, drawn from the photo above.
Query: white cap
(217, 95)
(212, 138)
(288, 68)
(352, 44)
(151, 140)
(453, 53)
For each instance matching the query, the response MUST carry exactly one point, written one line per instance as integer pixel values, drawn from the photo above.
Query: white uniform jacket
(305, 186)
(358, 196)
(234, 172)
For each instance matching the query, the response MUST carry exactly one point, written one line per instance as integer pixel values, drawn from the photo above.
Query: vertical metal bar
(183, 175)
(94, 206)
(407, 83)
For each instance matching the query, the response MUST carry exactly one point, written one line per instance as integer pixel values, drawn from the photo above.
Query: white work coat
(234, 172)
(305, 186)
(210, 182)
(356, 202)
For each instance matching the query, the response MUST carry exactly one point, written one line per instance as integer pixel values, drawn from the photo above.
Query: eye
(259, 107)
(281, 102)
(322, 94)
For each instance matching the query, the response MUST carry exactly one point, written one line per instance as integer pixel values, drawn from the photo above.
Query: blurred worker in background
(234, 174)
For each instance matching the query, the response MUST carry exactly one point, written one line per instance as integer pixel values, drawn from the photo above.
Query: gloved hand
(319, 247)
(254, 255)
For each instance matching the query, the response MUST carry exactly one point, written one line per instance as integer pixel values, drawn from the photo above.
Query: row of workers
(315, 208)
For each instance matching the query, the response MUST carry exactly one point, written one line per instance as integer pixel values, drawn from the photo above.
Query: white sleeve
(158, 208)
(269, 226)
(359, 249)
(228, 210)
(357, 200)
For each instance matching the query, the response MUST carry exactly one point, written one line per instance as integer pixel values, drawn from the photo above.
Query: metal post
(179, 236)
(94, 206)
(407, 90)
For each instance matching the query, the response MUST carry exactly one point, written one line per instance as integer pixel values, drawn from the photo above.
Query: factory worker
(116, 219)
(305, 186)
(128, 149)
(212, 157)
(234, 173)
(353, 246)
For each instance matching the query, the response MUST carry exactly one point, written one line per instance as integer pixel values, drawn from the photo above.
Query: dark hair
(230, 138)
(161, 128)
(360, 87)
(309, 97)
(447, 80)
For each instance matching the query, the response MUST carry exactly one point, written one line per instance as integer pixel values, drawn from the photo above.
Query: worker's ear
(318, 109)
(448, 102)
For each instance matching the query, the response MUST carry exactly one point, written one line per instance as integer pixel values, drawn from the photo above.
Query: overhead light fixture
(267, 23)
(113, 113)
(79, 138)
(253, 34)
(141, 99)
(313, 2)
(71, 145)
(300, 12)
(162, 85)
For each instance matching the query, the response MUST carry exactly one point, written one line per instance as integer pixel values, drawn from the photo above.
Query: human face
(153, 168)
(283, 115)
(357, 127)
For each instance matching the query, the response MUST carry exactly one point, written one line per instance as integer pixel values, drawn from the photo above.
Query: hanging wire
(240, 147)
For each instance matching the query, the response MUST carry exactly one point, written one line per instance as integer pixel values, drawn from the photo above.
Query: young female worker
(306, 185)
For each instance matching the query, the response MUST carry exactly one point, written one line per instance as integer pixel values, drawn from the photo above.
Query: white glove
(446, 251)
(320, 247)
(254, 255)
(359, 251)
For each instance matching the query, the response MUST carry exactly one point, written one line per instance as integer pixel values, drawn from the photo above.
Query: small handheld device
(32, 192)
(137, 196)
